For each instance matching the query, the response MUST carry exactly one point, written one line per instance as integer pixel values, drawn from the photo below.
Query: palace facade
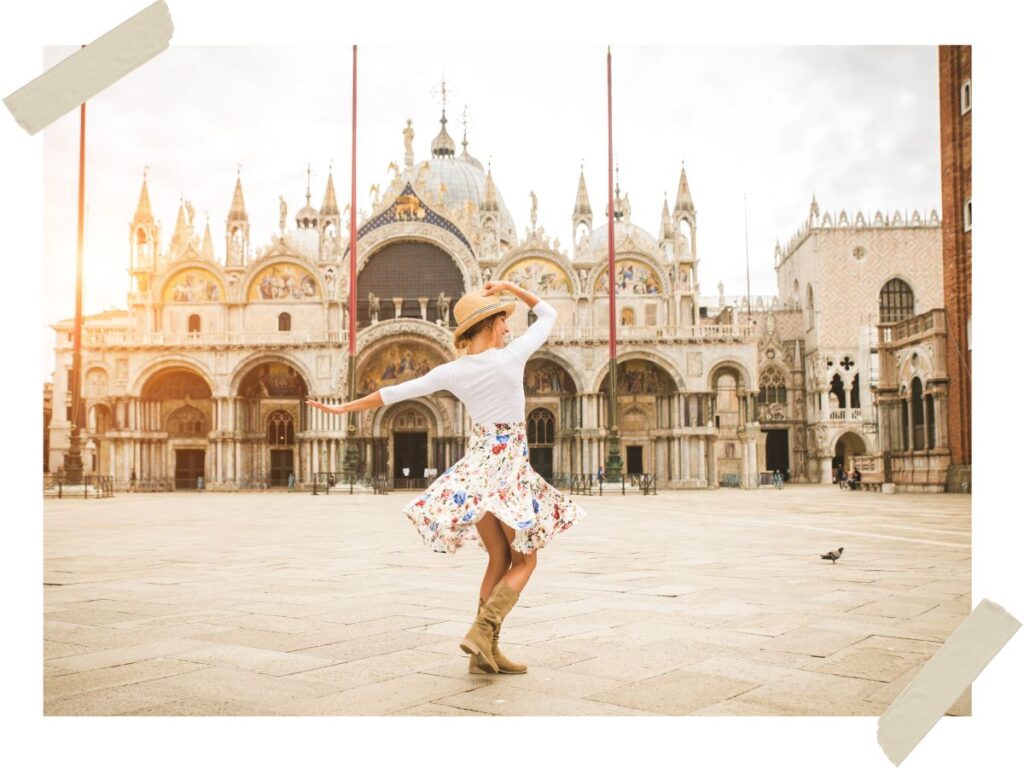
(205, 374)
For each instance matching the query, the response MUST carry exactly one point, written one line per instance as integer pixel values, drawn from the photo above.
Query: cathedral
(202, 380)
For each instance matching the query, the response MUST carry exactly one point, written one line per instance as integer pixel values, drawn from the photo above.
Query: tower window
(965, 97)
(284, 322)
(967, 215)
(194, 324)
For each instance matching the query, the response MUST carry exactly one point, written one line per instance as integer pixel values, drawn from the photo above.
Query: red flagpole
(611, 224)
(352, 314)
(73, 467)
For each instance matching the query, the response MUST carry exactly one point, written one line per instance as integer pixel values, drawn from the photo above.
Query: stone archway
(848, 445)
(268, 418)
(177, 402)
(647, 396)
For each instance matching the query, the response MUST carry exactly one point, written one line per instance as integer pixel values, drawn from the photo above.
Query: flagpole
(746, 247)
(351, 454)
(613, 463)
(73, 467)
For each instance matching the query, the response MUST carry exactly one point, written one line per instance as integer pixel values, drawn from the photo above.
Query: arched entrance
(849, 445)
(281, 442)
(271, 418)
(644, 403)
(185, 404)
(550, 387)
(410, 432)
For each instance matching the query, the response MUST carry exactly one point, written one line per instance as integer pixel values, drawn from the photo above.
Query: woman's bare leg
(499, 553)
(522, 565)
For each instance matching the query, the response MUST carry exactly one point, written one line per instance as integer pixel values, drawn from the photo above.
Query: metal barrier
(382, 483)
(324, 481)
(582, 484)
(645, 483)
(92, 486)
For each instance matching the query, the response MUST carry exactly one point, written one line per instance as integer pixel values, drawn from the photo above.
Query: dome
(464, 179)
(644, 240)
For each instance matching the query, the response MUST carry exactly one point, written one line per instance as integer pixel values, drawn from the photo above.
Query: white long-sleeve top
(490, 383)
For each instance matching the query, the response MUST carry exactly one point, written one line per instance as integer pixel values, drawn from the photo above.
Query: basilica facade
(203, 378)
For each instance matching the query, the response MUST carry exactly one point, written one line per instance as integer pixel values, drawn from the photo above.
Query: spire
(490, 193)
(582, 198)
(684, 203)
(182, 233)
(443, 145)
(309, 170)
(330, 206)
(666, 220)
(143, 211)
(621, 206)
(207, 248)
(237, 212)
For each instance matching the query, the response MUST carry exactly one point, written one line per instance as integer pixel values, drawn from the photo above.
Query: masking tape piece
(89, 70)
(944, 678)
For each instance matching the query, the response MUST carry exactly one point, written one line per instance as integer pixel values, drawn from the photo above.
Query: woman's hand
(324, 407)
(496, 286)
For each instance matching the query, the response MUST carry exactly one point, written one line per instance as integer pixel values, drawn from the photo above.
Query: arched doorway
(848, 446)
(548, 385)
(644, 404)
(281, 441)
(540, 436)
(186, 406)
(410, 432)
(271, 418)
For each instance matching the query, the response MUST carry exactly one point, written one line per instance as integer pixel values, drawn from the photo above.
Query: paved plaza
(688, 602)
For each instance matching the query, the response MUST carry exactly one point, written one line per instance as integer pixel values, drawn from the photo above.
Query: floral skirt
(494, 476)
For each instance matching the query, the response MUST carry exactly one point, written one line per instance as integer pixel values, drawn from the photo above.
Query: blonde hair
(462, 343)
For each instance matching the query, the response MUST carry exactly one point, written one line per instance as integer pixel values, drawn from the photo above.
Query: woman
(491, 495)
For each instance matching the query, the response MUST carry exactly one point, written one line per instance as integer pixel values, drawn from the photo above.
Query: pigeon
(833, 556)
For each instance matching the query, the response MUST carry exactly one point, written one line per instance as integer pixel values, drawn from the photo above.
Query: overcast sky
(857, 126)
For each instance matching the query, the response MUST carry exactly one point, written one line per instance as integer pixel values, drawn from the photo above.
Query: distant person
(600, 474)
(854, 480)
(132, 479)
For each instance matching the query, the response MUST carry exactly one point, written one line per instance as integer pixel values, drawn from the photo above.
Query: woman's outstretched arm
(372, 400)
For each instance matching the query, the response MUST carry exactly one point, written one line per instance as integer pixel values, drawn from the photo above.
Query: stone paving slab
(706, 603)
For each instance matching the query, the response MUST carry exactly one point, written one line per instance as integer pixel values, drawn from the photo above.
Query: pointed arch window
(895, 302)
(773, 387)
(540, 427)
(280, 428)
(810, 307)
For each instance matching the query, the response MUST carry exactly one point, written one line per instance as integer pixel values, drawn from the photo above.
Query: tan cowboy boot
(479, 640)
(504, 664)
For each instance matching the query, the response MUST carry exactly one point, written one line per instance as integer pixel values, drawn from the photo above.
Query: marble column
(702, 474)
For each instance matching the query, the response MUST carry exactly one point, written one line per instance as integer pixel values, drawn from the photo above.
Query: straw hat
(474, 307)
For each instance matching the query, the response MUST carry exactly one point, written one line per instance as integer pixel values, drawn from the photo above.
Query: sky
(855, 126)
